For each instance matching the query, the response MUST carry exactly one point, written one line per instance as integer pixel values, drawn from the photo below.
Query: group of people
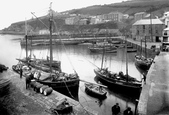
(116, 110)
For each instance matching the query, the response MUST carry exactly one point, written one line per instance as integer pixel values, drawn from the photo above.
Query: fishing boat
(67, 42)
(95, 91)
(67, 84)
(118, 80)
(142, 62)
(131, 50)
(101, 49)
(42, 64)
(47, 42)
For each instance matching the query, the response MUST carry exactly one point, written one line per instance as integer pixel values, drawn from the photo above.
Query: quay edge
(49, 101)
(155, 95)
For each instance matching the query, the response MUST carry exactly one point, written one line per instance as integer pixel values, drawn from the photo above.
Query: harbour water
(77, 58)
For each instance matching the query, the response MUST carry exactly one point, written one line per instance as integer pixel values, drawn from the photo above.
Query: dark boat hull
(142, 65)
(68, 88)
(97, 50)
(143, 72)
(56, 65)
(135, 89)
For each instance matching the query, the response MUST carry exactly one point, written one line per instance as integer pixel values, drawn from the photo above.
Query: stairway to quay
(44, 103)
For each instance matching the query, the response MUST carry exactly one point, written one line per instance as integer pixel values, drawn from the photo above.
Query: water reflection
(78, 58)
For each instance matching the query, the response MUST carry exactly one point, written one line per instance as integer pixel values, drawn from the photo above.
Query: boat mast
(50, 30)
(103, 53)
(126, 57)
(103, 56)
(141, 46)
(145, 48)
(26, 39)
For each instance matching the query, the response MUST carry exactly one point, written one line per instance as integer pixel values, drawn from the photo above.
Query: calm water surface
(76, 58)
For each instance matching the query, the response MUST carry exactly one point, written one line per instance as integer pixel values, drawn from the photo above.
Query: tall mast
(126, 58)
(145, 48)
(26, 39)
(103, 53)
(103, 57)
(50, 29)
(141, 46)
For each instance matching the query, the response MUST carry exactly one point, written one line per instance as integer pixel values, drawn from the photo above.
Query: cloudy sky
(18, 10)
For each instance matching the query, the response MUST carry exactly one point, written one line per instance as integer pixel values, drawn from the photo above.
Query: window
(156, 31)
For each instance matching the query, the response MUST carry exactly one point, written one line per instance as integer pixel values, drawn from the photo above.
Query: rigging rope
(64, 48)
(69, 61)
(74, 98)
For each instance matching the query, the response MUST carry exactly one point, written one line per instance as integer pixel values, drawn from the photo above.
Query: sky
(12, 11)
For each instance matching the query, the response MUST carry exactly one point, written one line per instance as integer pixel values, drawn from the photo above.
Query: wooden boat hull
(143, 64)
(67, 42)
(131, 50)
(47, 42)
(117, 84)
(92, 93)
(100, 50)
(69, 88)
(143, 72)
(44, 66)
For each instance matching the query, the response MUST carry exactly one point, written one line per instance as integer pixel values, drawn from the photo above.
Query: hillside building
(165, 18)
(151, 30)
(115, 16)
(72, 20)
(139, 16)
(44, 32)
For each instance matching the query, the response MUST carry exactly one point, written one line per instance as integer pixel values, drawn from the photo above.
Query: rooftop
(148, 22)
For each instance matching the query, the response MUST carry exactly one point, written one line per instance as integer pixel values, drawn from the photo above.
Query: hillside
(128, 7)
(156, 7)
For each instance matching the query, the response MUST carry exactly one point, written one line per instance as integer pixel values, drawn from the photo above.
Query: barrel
(33, 83)
(43, 88)
(48, 91)
(36, 86)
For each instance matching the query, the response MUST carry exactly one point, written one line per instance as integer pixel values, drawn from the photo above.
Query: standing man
(116, 109)
(28, 80)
